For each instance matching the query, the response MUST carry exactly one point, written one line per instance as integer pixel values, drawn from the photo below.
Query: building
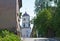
(25, 29)
(9, 15)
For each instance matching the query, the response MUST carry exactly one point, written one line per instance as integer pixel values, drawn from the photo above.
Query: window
(24, 25)
(24, 19)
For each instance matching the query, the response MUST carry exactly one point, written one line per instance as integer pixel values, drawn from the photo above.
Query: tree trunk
(50, 33)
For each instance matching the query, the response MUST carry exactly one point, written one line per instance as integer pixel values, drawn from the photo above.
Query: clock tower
(26, 21)
(25, 29)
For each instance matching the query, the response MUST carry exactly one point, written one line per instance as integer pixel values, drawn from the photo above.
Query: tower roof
(25, 14)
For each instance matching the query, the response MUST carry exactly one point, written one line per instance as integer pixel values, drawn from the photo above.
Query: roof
(25, 14)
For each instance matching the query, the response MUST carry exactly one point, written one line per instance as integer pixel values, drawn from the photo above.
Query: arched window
(24, 25)
(24, 19)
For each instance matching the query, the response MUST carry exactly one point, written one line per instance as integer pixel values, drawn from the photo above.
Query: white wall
(25, 32)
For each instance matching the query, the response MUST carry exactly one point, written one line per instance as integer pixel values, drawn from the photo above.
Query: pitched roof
(25, 14)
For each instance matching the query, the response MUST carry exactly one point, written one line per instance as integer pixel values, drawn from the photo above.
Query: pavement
(39, 39)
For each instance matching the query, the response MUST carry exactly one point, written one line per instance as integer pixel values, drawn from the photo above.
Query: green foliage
(20, 14)
(56, 20)
(40, 5)
(37, 3)
(48, 17)
(42, 21)
(8, 36)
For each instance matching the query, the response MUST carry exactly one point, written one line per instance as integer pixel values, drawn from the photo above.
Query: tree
(56, 20)
(42, 21)
(41, 4)
(47, 21)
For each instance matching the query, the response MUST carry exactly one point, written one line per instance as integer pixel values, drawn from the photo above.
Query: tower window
(23, 25)
(24, 19)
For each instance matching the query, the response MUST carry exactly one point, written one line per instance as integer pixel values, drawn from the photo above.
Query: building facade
(25, 29)
(9, 15)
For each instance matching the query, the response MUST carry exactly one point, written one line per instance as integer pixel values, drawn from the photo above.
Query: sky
(28, 6)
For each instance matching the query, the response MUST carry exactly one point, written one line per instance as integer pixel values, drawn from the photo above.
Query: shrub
(8, 36)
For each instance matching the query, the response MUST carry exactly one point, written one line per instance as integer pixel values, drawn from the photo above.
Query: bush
(8, 36)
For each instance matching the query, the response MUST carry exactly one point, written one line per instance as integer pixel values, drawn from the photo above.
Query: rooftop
(25, 14)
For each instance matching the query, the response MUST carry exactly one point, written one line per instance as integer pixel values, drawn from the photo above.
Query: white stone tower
(25, 29)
